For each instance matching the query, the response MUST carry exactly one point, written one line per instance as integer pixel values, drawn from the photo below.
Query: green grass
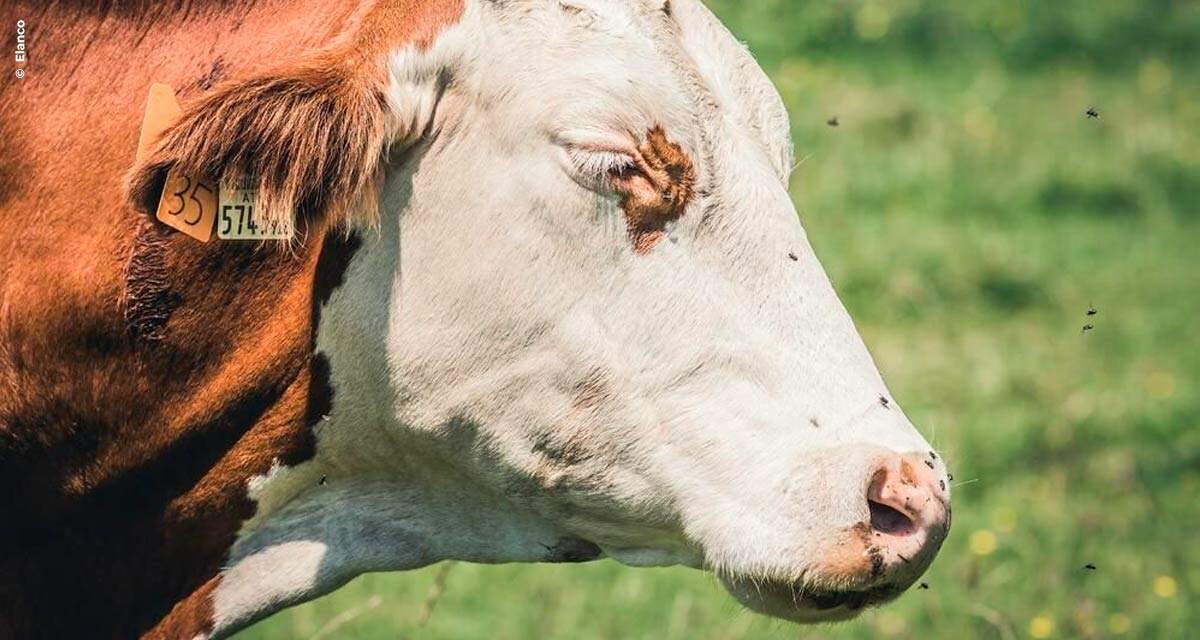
(969, 213)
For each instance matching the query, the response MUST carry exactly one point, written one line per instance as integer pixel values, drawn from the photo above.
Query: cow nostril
(887, 520)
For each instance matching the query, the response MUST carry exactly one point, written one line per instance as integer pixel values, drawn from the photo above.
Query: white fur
(500, 286)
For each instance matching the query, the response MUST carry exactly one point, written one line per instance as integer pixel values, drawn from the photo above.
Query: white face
(693, 394)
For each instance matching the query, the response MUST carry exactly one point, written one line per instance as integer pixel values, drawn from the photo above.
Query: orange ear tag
(187, 204)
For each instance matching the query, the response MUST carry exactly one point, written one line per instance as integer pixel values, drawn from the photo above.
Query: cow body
(125, 448)
(540, 308)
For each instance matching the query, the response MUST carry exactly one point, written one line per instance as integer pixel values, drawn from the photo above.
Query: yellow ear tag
(187, 204)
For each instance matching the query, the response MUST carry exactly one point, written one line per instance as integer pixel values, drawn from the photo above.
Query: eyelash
(599, 166)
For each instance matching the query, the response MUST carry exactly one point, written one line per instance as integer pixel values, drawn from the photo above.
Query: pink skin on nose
(910, 514)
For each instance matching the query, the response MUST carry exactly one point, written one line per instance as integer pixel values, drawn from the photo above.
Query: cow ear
(313, 138)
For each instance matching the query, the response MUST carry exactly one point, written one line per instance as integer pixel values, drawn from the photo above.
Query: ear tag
(192, 205)
(241, 219)
(187, 204)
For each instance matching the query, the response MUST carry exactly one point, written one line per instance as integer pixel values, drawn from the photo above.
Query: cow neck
(209, 379)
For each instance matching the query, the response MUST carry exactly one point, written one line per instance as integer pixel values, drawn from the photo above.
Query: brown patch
(145, 377)
(849, 561)
(657, 192)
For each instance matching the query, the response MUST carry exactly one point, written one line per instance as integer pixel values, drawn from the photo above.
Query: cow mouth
(852, 600)
(806, 604)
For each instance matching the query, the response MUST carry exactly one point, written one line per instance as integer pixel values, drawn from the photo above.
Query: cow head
(584, 294)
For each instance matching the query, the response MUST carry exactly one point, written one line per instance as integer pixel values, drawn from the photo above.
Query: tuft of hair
(312, 137)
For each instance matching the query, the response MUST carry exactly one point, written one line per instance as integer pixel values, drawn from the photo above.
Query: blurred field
(969, 213)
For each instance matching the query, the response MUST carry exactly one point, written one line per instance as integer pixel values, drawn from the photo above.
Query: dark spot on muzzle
(876, 561)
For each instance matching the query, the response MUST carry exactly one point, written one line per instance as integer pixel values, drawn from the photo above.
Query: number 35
(189, 188)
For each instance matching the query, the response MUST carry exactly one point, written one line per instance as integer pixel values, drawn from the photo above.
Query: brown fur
(849, 561)
(144, 376)
(325, 157)
(658, 192)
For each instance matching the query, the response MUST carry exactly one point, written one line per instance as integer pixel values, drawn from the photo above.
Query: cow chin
(806, 604)
(849, 578)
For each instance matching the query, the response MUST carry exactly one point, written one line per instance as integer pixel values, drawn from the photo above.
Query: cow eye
(596, 166)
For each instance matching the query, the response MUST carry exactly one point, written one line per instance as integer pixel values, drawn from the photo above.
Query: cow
(547, 299)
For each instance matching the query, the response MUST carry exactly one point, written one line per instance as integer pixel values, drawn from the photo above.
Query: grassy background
(969, 213)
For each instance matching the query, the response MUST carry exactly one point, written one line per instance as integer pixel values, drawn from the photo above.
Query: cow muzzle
(874, 561)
